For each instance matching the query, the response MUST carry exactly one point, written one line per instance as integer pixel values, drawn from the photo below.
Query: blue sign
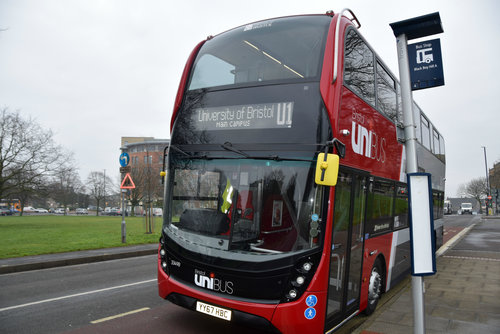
(124, 159)
(426, 66)
(310, 313)
(311, 301)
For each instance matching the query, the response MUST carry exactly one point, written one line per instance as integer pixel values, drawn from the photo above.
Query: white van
(466, 208)
(157, 212)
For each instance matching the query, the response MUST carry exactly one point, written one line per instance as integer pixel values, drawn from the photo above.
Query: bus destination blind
(248, 116)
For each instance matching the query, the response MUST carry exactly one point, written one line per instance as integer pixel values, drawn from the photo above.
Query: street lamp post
(104, 192)
(487, 178)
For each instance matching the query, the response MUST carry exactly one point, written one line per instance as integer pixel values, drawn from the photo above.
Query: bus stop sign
(426, 66)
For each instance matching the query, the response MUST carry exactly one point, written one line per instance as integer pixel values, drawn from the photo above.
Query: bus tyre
(374, 288)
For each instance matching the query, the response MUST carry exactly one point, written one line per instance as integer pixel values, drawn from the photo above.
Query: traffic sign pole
(124, 160)
(124, 226)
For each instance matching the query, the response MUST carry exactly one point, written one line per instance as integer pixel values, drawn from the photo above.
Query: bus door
(347, 247)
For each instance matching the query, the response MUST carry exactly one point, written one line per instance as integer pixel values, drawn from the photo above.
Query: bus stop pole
(417, 282)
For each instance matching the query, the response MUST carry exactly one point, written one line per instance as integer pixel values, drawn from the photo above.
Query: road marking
(76, 295)
(119, 315)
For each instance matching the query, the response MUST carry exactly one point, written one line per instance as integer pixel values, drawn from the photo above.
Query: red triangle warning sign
(127, 182)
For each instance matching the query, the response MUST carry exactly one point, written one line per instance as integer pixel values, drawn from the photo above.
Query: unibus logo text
(212, 283)
(367, 143)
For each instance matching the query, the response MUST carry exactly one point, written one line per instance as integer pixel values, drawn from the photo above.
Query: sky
(93, 71)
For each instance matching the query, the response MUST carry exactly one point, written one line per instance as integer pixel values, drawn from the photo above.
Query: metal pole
(487, 178)
(407, 103)
(417, 282)
(104, 197)
(124, 227)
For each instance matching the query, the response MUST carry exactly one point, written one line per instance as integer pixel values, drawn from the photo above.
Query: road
(56, 300)
(121, 296)
(105, 297)
(454, 224)
(482, 242)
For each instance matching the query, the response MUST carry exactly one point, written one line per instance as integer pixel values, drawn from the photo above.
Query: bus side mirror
(327, 169)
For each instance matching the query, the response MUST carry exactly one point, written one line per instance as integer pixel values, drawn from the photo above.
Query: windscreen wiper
(189, 155)
(229, 147)
(175, 148)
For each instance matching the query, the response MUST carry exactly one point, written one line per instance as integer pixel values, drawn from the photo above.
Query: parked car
(41, 210)
(115, 212)
(5, 212)
(81, 211)
(59, 211)
(94, 208)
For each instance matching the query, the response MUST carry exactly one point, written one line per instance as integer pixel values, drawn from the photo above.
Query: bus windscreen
(278, 49)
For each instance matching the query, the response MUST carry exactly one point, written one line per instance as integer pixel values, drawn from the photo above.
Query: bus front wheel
(374, 288)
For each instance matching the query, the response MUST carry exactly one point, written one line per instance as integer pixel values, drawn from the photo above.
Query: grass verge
(35, 235)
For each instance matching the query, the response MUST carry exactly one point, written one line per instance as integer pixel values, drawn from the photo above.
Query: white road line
(76, 295)
(119, 315)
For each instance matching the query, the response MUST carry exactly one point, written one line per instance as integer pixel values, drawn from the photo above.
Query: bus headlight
(300, 280)
(300, 277)
(292, 294)
(307, 266)
(163, 256)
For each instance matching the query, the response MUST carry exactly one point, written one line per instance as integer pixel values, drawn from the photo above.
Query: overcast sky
(94, 71)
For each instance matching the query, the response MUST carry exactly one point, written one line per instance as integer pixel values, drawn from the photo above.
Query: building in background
(495, 186)
(146, 163)
(145, 151)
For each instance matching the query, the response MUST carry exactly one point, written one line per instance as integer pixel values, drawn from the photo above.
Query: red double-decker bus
(258, 227)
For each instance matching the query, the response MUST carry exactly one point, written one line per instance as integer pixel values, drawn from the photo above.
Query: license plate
(214, 311)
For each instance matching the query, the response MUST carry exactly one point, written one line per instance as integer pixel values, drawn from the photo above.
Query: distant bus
(447, 208)
(257, 226)
(14, 205)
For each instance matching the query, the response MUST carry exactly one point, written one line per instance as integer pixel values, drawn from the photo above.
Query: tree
(65, 183)
(98, 185)
(147, 185)
(476, 188)
(28, 156)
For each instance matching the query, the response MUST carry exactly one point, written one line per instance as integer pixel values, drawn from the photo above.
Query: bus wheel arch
(376, 284)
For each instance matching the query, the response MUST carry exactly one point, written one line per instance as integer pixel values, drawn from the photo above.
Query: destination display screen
(253, 115)
(247, 116)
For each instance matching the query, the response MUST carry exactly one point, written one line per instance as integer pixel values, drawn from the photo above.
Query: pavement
(462, 297)
(26, 263)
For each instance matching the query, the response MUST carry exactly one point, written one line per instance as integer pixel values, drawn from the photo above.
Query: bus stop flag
(426, 65)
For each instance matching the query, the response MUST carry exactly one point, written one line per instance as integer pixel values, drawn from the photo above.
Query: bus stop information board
(426, 66)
